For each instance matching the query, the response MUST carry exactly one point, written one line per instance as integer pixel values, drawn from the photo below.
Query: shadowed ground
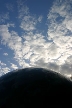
(34, 87)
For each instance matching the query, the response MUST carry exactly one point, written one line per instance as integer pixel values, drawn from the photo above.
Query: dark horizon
(34, 87)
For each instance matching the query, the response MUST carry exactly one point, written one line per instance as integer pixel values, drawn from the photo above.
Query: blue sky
(36, 33)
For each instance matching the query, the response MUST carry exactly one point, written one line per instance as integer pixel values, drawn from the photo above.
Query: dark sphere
(34, 87)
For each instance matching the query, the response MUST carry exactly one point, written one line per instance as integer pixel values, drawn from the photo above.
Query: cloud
(6, 54)
(22, 9)
(49, 65)
(13, 66)
(59, 17)
(60, 32)
(14, 42)
(3, 68)
(23, 50)
(4, 34)
(40, 18)
(28, 21)
(32, 49)
(2, 64)
(66, 68)
(10, 25)
(4, 17)
(10, 38)
(10, 7)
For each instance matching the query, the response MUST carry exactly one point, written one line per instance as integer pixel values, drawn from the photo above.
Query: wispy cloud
(40, 18)
(22, 9)
(4, 17)
(3, 68)
(2, 64)
(28, 21)
(10, 7)
(6, 54)
(10, 25)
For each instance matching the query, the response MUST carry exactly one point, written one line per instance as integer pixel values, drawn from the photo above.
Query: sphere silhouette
(34, 87)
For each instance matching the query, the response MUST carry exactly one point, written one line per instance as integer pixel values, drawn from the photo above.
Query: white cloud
(10, 25)
(32, 49)
(68, 75)
(4, 33)
(35, 49)
(21, 61)
(2, 64)
(15, 41)
(34, 43)
(60, 32)
(28, 55)
(4, 70)
(13, 66)
(6, 54)
(40, 18)
(28, 23)
(22, 9)
(10, 38)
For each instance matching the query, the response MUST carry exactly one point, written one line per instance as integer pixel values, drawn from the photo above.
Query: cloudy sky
(36, 33)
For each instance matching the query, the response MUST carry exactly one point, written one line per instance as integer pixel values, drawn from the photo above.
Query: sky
(36, 33)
